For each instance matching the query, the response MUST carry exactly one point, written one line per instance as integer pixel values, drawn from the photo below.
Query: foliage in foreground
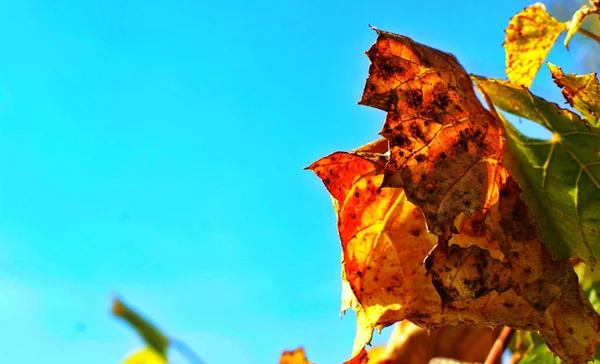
(455, 220)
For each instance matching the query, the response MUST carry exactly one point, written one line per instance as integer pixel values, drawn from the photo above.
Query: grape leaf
(444, 160)
(385, 241)
(153, 337)
(529, 37)
(297, 356)
(451, 241)
(561, 176)
(540, 354)
(581, 92)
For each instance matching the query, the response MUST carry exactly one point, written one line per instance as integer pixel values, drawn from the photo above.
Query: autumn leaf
(410, 344)
(529, 37)
(153, 337)
(575, 23)
(438, 154)
(385, 241)
(451, 241)
(297, 356)
(581, 92)
(561, 176)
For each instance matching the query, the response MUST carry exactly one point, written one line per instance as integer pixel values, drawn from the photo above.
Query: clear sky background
(155, 149)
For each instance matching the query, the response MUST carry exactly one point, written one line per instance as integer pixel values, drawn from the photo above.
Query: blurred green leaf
(560, 177)
(153, 337)
(540, 355)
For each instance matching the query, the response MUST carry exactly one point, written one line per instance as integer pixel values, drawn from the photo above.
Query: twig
(500, 345)
(186, 351)
(589, 34)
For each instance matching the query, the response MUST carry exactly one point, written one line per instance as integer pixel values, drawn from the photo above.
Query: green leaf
(153, 337)
(540, 355)
(560, 177)
(590, 282)
(581, 92)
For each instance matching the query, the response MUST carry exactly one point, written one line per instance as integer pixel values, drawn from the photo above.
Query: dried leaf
(576, 22)
(294, 357)
(529, 37)
(560, 176)
(452, 243)
(361, 358)
(410, 344)
(581, 92)
(438, 153)
(385, 240)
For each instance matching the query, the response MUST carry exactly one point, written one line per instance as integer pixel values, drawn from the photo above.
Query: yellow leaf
(529, 37)
(582, 92)
(145, 356)
(574, 24)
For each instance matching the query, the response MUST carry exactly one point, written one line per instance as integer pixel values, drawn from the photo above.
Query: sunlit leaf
(581, 92)
(529, 37)
(153, 337)
(434, 230)
(561, 176)
(145, 356)
(575, 23)
(445, 161)
(297, 356)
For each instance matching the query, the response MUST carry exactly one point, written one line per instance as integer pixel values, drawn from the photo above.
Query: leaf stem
(500, 345)
(186, 351)
(589, 34)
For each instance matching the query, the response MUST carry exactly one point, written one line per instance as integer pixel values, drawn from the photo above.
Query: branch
(499, 346)
(589, 34)
(186, 351)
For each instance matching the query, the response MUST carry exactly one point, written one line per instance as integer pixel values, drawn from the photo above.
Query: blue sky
(154, 149)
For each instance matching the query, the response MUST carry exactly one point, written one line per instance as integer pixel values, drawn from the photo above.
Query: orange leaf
(451, 243)
(294, 357)
(444, 145)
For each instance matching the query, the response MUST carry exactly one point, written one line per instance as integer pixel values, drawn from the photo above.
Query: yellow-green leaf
(153, 337)
(574, 24)
(529, 37)
(145, 356)
(581, 92)
(560, 177)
